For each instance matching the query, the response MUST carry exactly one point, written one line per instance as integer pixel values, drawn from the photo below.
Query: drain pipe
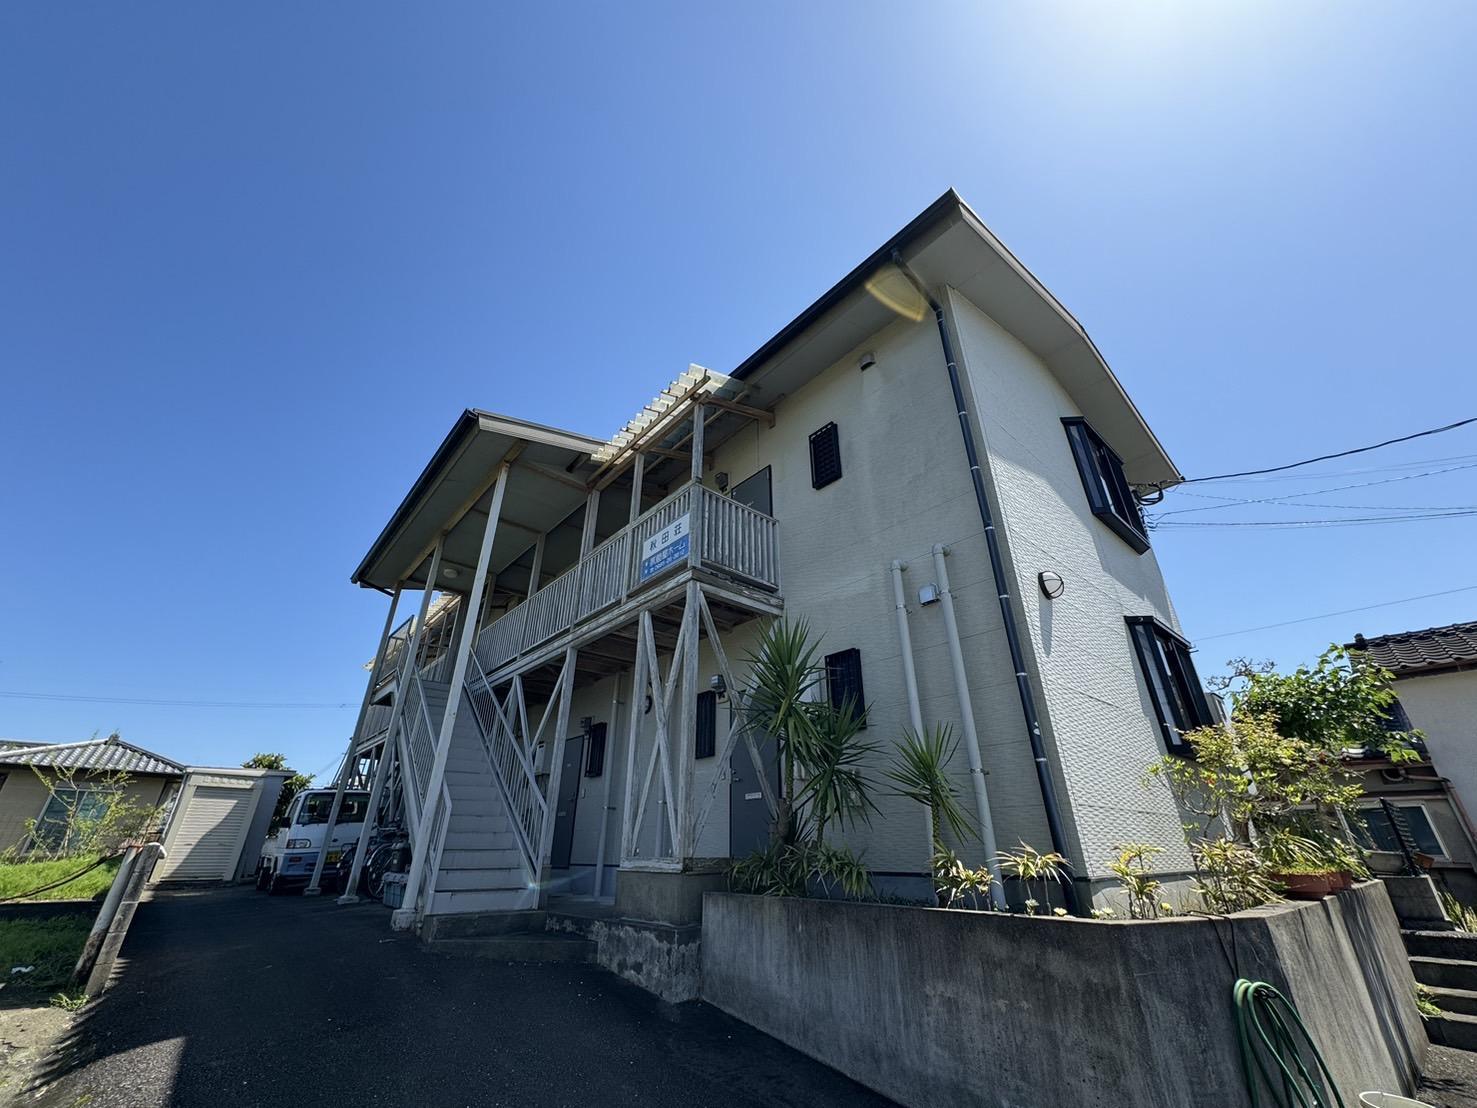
(971, 735)
(910, 679)
(1002, 590)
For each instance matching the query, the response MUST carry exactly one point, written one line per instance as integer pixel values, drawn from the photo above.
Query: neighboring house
(1436, 681)
(41, 781)
(606, 594)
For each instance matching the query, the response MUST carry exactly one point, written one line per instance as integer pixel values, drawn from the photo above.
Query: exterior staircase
(481, 866)
(1446, 962)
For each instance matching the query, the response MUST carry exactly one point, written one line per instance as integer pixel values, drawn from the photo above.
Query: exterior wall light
(928, 594)
(718, 685)
(1052, 585)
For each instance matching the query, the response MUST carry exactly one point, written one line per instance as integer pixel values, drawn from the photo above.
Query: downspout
(910, 680)
(971, 734)
(1002, 590)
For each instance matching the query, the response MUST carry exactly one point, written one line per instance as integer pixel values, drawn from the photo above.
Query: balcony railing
(694, 527)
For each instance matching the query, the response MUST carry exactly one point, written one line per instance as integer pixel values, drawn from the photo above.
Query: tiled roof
(110, 755)
(1415, 651)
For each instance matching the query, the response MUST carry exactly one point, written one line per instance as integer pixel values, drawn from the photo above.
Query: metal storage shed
(216, 830)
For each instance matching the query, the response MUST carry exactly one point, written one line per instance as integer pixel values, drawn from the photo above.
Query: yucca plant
(827, 750)
(783, 673)
(1031, 867)
(920, 771)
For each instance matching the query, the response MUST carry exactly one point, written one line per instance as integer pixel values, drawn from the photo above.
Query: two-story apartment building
(932, 464)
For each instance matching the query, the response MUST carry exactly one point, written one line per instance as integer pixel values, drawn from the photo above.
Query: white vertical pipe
(608, 771)
(971, 736)
(910, 680)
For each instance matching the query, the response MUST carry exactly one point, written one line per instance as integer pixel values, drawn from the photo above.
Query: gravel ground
(1451, 1078)
(236, 998)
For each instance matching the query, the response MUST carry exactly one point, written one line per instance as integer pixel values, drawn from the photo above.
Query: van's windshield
(316, 807)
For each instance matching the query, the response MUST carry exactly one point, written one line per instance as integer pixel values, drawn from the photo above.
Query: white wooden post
(592, 513)
(638, 709)
(684, 748)
(349, 758)
(556, 770)
(404, 917)
(696, 503)
(608, 771)
(638, 473)
(536, 571)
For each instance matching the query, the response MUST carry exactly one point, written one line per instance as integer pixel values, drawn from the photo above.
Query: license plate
(332, 856)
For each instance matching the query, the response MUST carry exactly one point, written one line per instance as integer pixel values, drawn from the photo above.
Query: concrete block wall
(946, 1007)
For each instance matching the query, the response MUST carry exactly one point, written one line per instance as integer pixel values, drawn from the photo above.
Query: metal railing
(512, 766)
(735, 540)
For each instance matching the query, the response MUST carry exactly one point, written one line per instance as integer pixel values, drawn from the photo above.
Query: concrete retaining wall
(938, 1007)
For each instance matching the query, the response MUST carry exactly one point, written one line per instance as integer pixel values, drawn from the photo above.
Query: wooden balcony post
(696, 503)
(354, 737)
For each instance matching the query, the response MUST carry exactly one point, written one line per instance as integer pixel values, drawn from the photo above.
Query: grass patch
(17, 878)
(50, 945)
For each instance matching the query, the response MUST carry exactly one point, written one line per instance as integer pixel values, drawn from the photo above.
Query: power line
(1339, 454)
(1388, 467)
(1232, 501)
(76, 697)
(1326, 615)
(1348, 521)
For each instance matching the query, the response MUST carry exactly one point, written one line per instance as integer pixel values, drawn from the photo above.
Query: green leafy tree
(290, 787)
(1270, 791)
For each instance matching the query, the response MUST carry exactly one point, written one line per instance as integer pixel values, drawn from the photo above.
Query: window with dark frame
(1179, 702)
(707, 725)
(825, 456)
(844, 681)
(1108, 492)
(595, 751)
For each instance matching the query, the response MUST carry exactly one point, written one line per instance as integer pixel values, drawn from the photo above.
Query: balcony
(694, 528)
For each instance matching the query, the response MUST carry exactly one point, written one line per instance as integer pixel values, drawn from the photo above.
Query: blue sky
(254, 259)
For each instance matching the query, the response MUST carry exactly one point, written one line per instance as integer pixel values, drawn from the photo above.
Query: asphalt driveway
(235, 998)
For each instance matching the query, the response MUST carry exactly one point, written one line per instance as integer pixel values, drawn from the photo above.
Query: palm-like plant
(825, 747)
(783, 674)
(920, 771)
(1030, 866)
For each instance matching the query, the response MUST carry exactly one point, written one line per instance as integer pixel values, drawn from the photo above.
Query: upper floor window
(825, 456)
(1180, 703)
(1108, 491)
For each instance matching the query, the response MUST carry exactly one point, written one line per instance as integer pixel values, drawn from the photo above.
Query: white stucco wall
(1096, 712)
(905, 487)
(1444, 707)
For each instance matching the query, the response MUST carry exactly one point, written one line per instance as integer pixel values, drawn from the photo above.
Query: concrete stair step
(484, 805)
(477, 824)
(1461, 1001)
(520, 948)
(499, 877)
(480, 857)
(478, 840)
(459, 901)
(1458, 945)
(1453, 1029)
(1445, 973)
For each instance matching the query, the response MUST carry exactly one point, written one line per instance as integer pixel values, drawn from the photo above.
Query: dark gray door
(569, 794)
(755, 492)
(748, 815)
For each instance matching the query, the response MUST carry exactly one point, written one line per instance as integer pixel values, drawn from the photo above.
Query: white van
(288, 857)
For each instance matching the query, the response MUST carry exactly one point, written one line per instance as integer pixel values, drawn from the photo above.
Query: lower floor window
(68, 815)
(1376, 831)
(1179, 702)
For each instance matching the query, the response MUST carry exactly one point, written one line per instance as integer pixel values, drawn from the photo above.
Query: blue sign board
(666, 548)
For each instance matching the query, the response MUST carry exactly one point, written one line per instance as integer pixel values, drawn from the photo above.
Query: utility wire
(1328, 457)
(1232, 501)
(1326, 615)
(76, 697)
(1348, 521)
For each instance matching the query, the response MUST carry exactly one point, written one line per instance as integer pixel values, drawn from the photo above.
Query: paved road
(232, 998)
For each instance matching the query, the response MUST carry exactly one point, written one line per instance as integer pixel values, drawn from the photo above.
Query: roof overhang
(948, 246)
(453, 494)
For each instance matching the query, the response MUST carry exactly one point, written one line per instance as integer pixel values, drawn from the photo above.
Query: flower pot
(1307, 886)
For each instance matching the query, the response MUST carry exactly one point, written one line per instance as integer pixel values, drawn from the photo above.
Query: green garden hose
(1271, 1029)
